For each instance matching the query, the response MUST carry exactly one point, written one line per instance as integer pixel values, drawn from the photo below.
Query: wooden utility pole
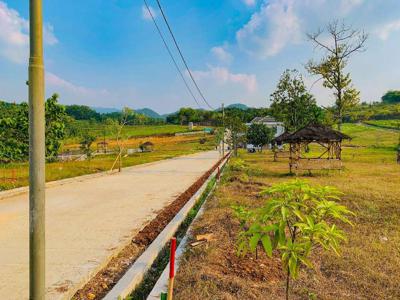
(37, 153)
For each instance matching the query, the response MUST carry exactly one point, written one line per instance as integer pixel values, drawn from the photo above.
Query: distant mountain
(143, 111)
(106, 110)
(149, 113)
(239, 106)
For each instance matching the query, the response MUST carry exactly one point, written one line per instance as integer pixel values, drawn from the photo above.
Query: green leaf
(266, 242)
(254, 241)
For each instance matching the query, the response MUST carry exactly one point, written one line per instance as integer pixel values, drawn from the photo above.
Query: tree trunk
(287, 284)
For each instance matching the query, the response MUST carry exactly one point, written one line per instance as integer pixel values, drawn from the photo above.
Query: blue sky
(107, 53)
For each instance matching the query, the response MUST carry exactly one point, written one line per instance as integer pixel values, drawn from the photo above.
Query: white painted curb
(135, 274)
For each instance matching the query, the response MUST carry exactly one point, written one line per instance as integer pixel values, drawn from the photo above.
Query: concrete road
(87, 219)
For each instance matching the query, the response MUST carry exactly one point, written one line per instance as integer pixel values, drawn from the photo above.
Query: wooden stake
(171, 269)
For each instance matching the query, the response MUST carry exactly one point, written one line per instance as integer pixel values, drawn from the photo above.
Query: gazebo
(277, 146)
(330, 140)
(147, 147)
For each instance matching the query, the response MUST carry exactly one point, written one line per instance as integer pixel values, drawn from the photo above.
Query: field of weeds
(368, 265)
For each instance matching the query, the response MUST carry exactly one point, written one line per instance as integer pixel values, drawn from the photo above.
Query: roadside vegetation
(16, 174)
(367, 265)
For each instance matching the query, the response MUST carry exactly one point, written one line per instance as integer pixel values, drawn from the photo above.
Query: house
(269, 122)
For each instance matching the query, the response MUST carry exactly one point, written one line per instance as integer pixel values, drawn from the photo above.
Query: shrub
(296, 219)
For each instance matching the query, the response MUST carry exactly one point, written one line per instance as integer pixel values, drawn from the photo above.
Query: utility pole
(223, 130)
(36, 155)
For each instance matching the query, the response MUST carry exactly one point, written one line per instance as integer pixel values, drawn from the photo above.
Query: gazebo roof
(315, 133)
(281, 138)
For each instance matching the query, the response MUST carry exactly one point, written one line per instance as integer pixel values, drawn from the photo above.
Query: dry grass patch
(367, 269)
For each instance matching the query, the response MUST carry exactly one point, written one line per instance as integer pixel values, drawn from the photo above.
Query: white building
(269, 122)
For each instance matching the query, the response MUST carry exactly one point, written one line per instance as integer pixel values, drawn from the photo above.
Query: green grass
(17, 174)
(390, 124)
(100, 130)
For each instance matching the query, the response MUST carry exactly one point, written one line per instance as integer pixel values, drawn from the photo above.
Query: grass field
(390, 124)
(16, 174)
(368, 267)
(100, 131)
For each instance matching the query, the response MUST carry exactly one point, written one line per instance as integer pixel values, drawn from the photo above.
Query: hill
(238, 106)
(105, 110)
(149, 113)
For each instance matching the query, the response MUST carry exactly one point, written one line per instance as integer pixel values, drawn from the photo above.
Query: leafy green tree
(292, 103)
(237, 132)
(341, 43)
(260, 135)
(14, 135)
(14, 130)
(391, 97)
(55, 126)
(82, 112)
(296, 219)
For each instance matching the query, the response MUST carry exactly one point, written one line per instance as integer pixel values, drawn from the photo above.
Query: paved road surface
(87, 219)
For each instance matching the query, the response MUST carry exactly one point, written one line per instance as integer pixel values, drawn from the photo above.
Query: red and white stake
(171, 269)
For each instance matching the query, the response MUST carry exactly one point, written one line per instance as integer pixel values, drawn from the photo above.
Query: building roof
(267, 119)
(315, 133)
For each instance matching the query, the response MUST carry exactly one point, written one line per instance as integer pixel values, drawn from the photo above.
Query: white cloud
(145, 13)
(222, 54)
(14, 35)
(348, 5)
(57, 82)
(270, 29)
(384, 31)
(222, 75)
(250, 2)
(281, 23)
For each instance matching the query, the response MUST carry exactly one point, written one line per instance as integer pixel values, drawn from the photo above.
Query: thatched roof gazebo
(147, 147)
(277, 146)
(330, 140)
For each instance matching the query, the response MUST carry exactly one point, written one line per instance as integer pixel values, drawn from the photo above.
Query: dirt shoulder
(366, 269)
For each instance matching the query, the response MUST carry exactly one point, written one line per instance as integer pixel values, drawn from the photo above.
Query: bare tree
(341, 43)
(119, 126)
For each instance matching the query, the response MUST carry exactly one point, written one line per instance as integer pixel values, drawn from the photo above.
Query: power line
(170, 53)
(180, 53)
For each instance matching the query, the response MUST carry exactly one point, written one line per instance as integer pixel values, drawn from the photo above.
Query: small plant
(86, 143)
(296, 219)
(237, 164)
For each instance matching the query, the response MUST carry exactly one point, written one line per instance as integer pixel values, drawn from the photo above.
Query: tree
(260, 135)
(86, 144)
(14, 136)
(342, 42)
(82, 112)
(237, 132)
(118, 126)
(55, 126)
(391, 97)
(14, 129)
(292, 103)
(296, 219)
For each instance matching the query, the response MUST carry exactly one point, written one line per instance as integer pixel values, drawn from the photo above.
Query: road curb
(135, 274)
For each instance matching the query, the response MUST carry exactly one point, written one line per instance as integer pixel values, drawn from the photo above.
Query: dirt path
(86, 221)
